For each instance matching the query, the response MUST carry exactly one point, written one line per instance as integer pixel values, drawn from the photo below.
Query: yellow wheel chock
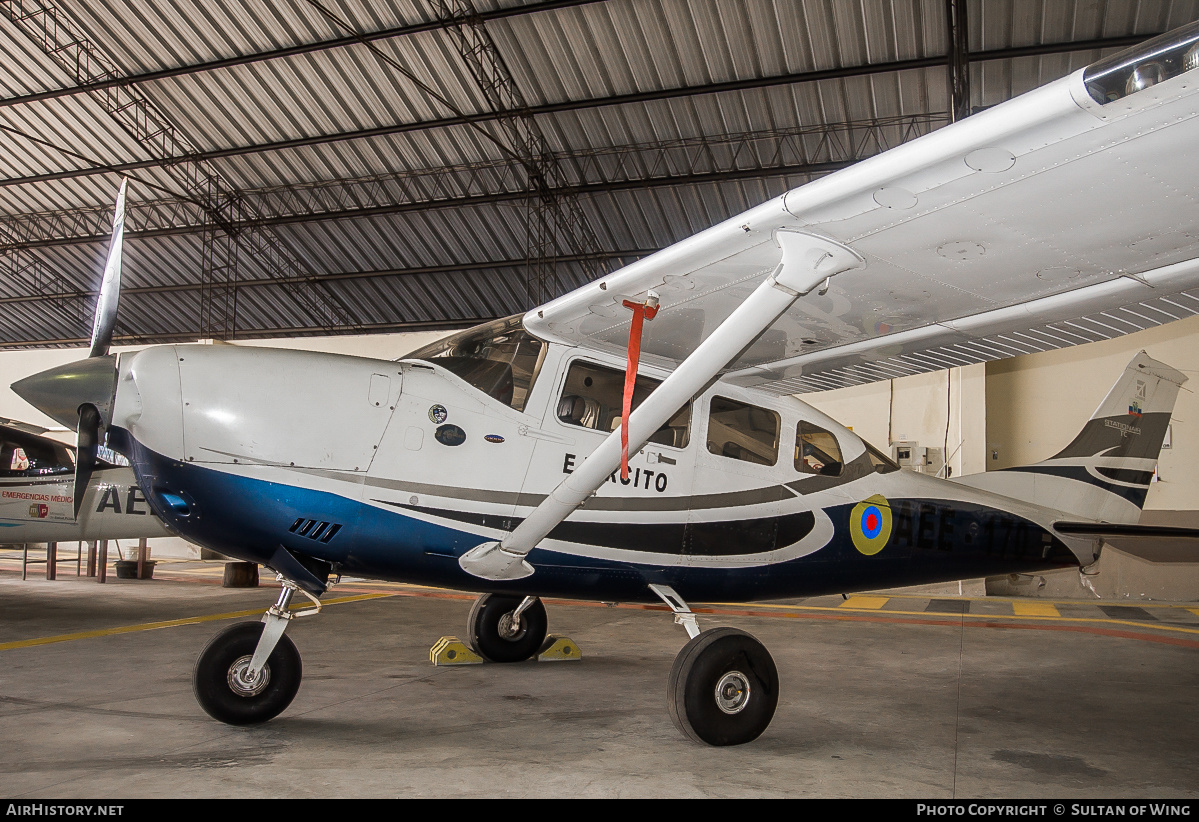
(559, 649)
(449, 650)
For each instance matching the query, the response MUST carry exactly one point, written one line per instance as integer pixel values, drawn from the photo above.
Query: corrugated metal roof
(385, 173)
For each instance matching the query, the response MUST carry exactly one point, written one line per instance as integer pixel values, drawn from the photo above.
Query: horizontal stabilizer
(1112, 529)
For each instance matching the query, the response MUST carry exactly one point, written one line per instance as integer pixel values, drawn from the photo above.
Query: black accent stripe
(855, 470)
(1126, 475)
(1080, 474)
(708, 539)
(1126, 436)
(729, 499)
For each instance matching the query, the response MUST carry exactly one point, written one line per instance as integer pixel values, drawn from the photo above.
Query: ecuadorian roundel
(870, 524)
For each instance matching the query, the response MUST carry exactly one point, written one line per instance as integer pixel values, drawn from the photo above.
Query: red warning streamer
(641, 312)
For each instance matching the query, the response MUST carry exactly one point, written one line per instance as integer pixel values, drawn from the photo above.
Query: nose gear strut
(276, 619)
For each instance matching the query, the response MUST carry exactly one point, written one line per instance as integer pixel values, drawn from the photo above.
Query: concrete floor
(907, 697)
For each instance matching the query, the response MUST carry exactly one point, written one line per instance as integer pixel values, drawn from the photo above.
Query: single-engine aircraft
(38, 493)
(495, 460)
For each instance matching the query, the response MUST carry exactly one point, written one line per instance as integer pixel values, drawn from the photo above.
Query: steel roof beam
(263, 282)
(552, 221)
(473, 200)
(805, 150)
(599, 102)
(70, 48)
(957, 33)
(288, 51)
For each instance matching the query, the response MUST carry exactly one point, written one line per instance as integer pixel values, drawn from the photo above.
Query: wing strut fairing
(807, 262)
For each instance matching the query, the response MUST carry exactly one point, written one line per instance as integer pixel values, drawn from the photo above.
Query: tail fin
(1103, 475)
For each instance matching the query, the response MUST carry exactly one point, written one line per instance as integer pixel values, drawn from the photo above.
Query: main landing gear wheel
(497, 637)
(723, 688)
(219, 678)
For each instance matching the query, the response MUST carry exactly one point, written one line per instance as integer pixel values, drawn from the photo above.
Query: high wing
(1047, 221)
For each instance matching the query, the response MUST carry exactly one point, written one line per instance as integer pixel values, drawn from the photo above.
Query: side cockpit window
(816, 451)
(743, 432)
(593, 397)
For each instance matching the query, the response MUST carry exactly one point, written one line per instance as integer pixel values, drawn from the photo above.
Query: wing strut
(807, 262)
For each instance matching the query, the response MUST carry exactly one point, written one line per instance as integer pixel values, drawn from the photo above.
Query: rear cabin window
(593, 397)
(500, 359)
(816, 451)
(743, 432)
(881, 463)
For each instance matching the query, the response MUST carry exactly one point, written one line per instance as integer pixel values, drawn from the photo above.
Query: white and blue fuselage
(394, 470)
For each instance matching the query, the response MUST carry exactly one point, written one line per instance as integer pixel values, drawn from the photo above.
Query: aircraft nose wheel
(220, 678)
(500, 631)
(723, 688)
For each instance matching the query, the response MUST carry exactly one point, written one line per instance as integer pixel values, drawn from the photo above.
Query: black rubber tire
(699, 668)
(482, 628)
(210, 680)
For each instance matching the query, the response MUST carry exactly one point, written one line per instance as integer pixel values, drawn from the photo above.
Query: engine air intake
(314, 529)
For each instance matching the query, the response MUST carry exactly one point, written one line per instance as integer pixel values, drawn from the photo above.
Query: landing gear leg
(505, 628)
(250, 672)
(723, 687)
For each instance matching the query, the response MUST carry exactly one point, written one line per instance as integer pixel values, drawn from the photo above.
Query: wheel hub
(239, 681)
(510, 629)
(732, 692)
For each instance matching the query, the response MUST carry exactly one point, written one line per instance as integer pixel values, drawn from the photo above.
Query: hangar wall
(944, 409)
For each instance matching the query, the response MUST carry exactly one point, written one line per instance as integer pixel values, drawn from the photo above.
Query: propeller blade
(110, 286)
(86, 442)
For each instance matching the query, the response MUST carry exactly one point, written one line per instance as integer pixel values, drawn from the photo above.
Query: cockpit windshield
(500, 359)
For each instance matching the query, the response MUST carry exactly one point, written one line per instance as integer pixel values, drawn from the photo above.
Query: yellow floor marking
(1035, 609)
(1137, 603)
(865, 603)
(170, 623)
(1194, 611)
(750, 606)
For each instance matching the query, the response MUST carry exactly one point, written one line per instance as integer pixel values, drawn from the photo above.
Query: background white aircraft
(494, 460)
(37, 494)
